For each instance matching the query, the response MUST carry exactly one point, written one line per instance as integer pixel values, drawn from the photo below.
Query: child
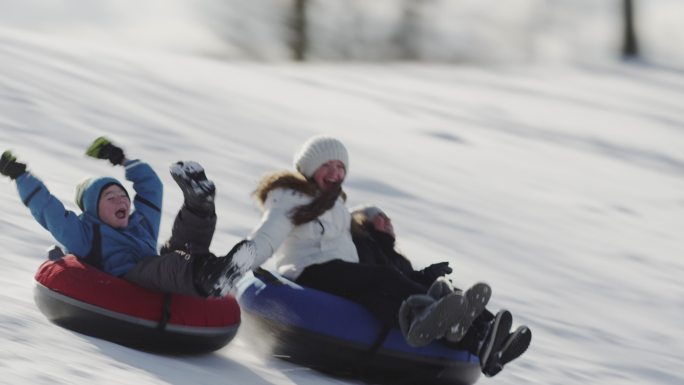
(122, 243)
(489, 337)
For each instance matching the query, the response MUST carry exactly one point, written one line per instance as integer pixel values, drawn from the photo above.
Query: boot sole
(444, 312)
(500, 331)
(477, 298)
(183, 173)
(516, 344)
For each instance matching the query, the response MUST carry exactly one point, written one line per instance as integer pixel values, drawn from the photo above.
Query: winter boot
(206, 272)
(423, 319)
(515, 345)
(476, 299)
(440, 288)
(498, 332)
(242, 257)
(410, 308)
(198, 191)
(215, 276)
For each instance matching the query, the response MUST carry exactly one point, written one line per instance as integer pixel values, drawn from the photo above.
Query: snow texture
(560, 186)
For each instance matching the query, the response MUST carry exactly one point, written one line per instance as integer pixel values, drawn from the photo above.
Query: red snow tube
(82, 298)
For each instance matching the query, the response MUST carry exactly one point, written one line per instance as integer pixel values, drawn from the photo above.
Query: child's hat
(370, 211)
(89, 189)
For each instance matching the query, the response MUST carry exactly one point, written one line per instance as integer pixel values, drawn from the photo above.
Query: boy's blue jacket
(121, 248)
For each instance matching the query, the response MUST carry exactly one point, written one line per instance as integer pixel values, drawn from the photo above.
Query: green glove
(9, 165)
(102, 148)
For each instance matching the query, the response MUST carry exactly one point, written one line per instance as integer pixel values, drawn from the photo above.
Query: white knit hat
(318, 150)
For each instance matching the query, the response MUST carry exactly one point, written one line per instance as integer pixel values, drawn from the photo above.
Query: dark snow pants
(380, 289)
(171, 272)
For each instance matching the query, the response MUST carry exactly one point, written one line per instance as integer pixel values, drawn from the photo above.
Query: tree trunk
(299, 41)
(630, 47)
(408, 35)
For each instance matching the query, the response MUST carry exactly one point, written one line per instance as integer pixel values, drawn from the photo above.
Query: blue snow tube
(338, 336)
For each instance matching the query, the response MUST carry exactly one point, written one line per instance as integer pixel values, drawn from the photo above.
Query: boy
(121, 242)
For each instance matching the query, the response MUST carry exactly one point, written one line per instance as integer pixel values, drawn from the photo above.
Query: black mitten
(435, 271)
(102, 148)
(9, 165)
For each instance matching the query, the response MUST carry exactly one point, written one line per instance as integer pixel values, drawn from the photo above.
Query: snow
(561, 186)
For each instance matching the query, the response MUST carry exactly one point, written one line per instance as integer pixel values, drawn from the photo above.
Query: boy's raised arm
(48, 211)
(147, 185)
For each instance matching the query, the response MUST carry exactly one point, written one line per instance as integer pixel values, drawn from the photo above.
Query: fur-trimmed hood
(322, 200)
(286, 180)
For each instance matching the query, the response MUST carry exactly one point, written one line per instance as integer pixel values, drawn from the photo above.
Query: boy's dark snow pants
(171, 272)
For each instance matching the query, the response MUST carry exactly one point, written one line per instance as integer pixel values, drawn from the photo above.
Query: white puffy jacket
(296, 247)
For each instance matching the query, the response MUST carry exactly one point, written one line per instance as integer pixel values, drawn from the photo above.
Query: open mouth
(330, 182)
(121, 213)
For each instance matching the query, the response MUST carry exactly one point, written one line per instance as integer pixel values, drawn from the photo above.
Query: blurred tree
(299, 39)
(409, 32)
(630, 46)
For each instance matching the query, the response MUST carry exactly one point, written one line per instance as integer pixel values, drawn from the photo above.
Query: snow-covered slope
(561, 187)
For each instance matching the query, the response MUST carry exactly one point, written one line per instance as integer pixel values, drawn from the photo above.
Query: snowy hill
(561, 187)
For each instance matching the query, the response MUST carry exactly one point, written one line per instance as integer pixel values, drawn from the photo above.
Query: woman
(306, 227)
